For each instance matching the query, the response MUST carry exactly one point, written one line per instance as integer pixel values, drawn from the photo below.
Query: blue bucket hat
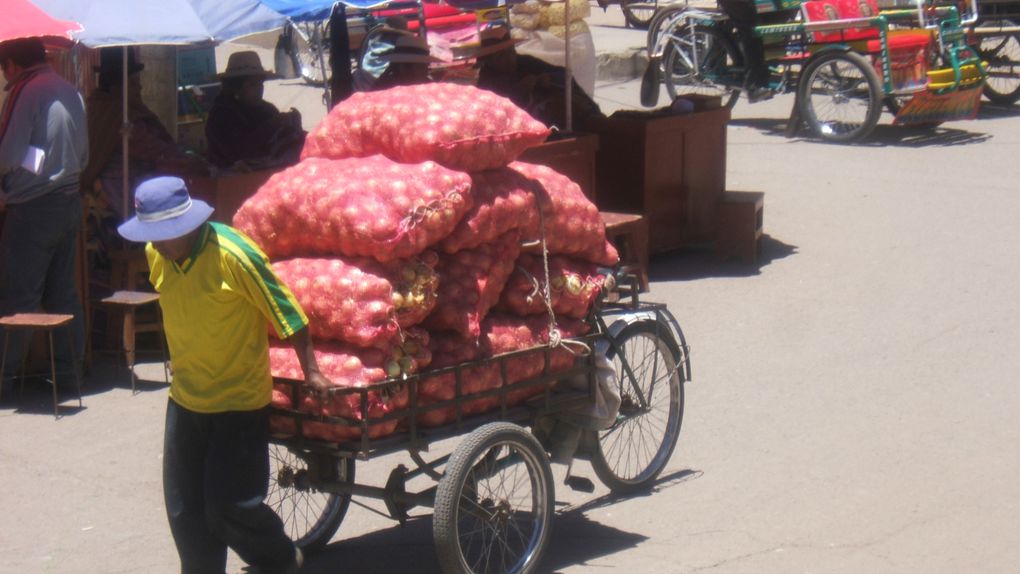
(164, 210)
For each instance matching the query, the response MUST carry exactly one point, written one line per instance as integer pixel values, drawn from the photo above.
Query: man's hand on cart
(318, 383)
(314, 378)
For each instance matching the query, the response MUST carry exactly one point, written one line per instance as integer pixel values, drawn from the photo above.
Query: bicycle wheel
(661, 17)
(310, 51)
(310, 516)
(1002, 86)
(633, 452)
(716, 57)
(639, 13)
(840, 96)
(494, 504)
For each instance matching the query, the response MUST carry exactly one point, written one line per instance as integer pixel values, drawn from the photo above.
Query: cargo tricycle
(493, 496)
(844, 60)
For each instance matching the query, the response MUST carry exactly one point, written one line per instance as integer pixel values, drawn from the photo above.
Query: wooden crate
(741, 223)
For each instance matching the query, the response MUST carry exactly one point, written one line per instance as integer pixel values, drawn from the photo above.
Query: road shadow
(884, 134)
(576, 539)
(701, 262)
(997, 111)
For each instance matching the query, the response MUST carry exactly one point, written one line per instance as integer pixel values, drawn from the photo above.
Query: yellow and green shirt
(215, 306)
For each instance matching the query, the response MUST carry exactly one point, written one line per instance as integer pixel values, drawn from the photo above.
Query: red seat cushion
(906, 40)
(821, 11)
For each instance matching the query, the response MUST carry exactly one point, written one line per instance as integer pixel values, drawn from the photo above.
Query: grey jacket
(45, 111)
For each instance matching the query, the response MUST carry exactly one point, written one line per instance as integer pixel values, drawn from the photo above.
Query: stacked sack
(401, 230)
(532, 16)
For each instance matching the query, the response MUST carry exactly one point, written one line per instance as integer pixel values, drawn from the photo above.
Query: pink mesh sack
(346, 366)
(571, 221)
(502, 200)
(470, 282)
(459, 126)
(573, 286)
(356, 207)
(359, 300)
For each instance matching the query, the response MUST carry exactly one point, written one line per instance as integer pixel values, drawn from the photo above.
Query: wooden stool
(629, 233)
(740, 224)
(41, 322)
(128, 302)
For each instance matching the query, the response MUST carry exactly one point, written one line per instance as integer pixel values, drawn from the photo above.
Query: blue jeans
(215, 478)
(37, 265)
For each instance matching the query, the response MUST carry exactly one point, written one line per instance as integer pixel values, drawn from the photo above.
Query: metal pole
(125, 130)
(568, 74)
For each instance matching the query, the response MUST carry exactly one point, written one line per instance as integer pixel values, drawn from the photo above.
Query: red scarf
(15, 88)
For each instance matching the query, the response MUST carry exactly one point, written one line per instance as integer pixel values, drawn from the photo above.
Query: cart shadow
(883, 135)
(410, 548)
(701, 262)
(997, 111)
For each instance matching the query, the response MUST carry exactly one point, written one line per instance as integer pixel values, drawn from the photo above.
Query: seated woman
(151, 148)
(243, 130)
(533, 84)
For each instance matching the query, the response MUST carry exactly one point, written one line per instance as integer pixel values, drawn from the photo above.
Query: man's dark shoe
(759, 93)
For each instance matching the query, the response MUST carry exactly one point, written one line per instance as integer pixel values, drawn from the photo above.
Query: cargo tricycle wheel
(494, 504)
(632, 453)
(310, 516)
(840, 96)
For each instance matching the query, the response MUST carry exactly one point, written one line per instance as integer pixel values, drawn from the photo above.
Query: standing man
(217, 291)
(43, 149)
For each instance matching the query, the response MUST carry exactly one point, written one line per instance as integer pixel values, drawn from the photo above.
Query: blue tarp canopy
(128, 22)
(304, 10)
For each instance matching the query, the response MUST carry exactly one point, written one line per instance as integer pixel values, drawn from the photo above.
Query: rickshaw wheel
(1003, 56)
(639, 13)
(634, 451)
(661, 16)
(310, 516)
(494, 503)
(718, 56)
(840, 96)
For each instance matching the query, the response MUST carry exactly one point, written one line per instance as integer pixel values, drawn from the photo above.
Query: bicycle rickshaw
(493, 496)
(844, 60)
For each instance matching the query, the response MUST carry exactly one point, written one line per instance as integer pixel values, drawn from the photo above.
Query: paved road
(851, 410)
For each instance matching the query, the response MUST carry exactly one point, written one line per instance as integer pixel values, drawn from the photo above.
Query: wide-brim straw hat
(164, 210)
(408, 48)
(244, 64)
(493, 40)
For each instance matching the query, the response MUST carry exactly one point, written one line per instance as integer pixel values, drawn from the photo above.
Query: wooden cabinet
(670, 168)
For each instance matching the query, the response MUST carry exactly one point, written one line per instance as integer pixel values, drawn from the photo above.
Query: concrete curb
(623, 65)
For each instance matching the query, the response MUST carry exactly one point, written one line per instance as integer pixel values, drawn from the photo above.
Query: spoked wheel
(494, 504)
(662, 15)
(696, 60)
(840, 96)
(1002, 86)
(633, 452)
(310, 516)
(639, 13)
(310, 51)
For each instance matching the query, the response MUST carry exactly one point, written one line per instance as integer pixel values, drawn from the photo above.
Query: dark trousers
(744, 17)
(215, 477)
(37, 255)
